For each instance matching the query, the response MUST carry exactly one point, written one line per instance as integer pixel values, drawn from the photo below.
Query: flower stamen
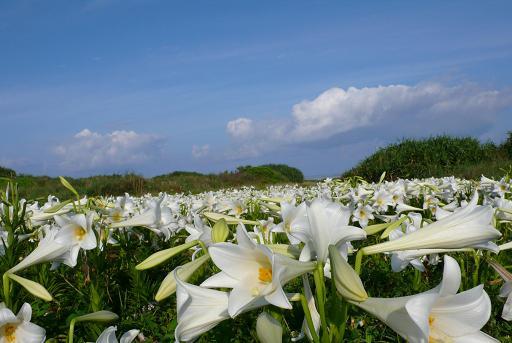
(265, 274)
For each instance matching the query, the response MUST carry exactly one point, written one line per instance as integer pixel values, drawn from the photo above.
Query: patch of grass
(436, 157)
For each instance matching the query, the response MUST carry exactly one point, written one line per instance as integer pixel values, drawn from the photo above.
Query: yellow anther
(265, 274)
(116, 216)
(10, 333)
(80, 233)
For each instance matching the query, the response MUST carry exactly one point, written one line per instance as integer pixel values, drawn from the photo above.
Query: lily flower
(199, 231)
(254, 272)
(47, 250)
(437, 315)
(328, 224)
(268, 329)
(19, 329)
(109, 336)
(506, 289)
(295, 222)
(470, 227)
(198, 309)
(362, 214)
(156, 217)
(76, 231)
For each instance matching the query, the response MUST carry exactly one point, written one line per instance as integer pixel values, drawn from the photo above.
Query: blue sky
(103, 86)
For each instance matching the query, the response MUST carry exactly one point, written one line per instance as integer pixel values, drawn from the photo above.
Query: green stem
(318, 276)
(203, 246)
(463, 271)
(476, 280)
(344, 314)
(7, 291)
(359, 261)
(71, 331)
(417, 279)
(309, 320)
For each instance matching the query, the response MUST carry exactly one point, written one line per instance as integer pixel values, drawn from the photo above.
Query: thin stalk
(417, 279)
(71, 331)
(7, 291)
(309, 319)
(476, 272)
(344, 314)
(359, 261)
(318, 276)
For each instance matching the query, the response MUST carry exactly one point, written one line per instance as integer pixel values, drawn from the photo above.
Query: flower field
(343, 260)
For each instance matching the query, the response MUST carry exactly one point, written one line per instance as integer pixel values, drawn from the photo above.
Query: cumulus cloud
(199, 151)
(90, 150)
(240, 128)
(384, 110)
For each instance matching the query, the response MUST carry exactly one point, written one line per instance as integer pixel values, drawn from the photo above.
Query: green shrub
(434, 156)
(507, 145)
(178, 181)
(6, 172)
(292, 174)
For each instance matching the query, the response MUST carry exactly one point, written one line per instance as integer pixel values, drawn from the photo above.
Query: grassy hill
(32, 187)
(437, 156)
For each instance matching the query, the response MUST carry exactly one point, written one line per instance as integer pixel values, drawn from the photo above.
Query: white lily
(47, 250)
(76, 231)
(109, 336)
(199, 231)
(506, 289)
(254, 272)
(362, 214)
(328, 224)
(157, 218)
(468, 228)
(438, 315)
(295, 222)
(19, 329)
(268, 329)
(198, 309)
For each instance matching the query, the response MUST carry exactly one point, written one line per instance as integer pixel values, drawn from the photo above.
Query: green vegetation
(436, 157)
(179, 181)
(6, 172)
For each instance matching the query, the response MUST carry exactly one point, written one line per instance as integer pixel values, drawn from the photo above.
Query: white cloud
(200, 151)
(240, 128)
(90, 150)
(409, 110)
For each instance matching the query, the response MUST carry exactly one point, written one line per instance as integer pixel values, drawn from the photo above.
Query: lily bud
(268, 329)
(285, 249)
(168, 286)
(220, 231)
(99, 316)
(162, 256)
(345, 278)
(34, 288)
(229, 219)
